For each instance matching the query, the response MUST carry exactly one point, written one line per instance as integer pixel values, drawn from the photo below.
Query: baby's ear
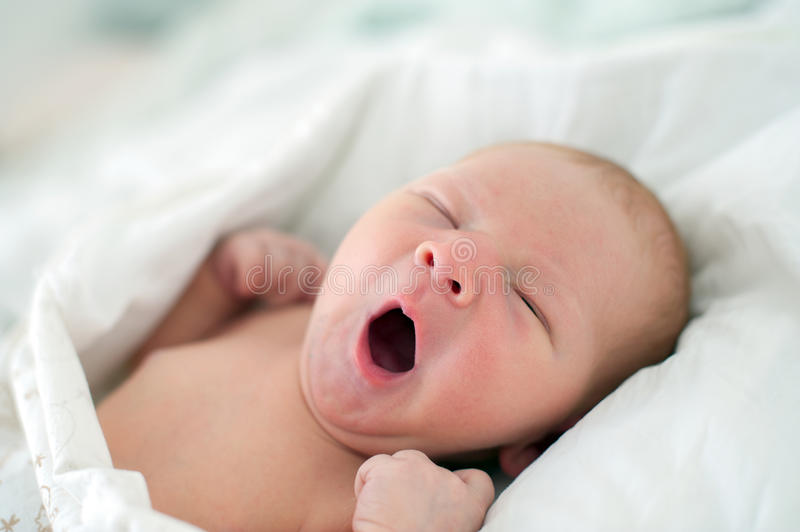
(515, 458)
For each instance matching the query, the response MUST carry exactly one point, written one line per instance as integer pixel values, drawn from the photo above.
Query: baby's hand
(270, 265)
(406, 491)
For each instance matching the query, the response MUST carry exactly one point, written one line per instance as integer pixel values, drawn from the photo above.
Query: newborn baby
(475, 312)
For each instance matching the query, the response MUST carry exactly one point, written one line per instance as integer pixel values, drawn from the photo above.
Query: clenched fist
(269, 265)
(406, 491)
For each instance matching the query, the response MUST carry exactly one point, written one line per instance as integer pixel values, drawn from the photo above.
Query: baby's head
(492, 302)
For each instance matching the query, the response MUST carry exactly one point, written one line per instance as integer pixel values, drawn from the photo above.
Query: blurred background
(78, 75)
(61, 61)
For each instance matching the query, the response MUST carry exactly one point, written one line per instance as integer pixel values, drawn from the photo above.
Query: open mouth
(392, 340)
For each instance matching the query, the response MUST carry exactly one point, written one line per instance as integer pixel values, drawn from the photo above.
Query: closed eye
(441, 208)
(535, 311)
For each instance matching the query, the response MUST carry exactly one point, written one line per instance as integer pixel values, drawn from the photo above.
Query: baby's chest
(224, 441)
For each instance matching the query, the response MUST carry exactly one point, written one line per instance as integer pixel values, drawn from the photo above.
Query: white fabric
(709, 117)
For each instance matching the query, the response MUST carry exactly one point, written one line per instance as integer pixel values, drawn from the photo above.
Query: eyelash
(441, 210)
(535, 311)
(449, 217)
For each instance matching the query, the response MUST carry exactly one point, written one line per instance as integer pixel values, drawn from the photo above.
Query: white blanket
(709, 117)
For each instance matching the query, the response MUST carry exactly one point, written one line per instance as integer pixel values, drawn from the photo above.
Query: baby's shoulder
(257, 333)
(282, 326)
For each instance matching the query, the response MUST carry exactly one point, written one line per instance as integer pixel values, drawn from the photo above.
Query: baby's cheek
(474, 384)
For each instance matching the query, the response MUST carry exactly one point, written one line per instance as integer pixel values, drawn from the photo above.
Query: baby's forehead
(549, 204)
(525, 179)
(549, 186)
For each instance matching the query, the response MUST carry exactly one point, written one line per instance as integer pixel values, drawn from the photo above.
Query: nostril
(455, 286)
(428, 258)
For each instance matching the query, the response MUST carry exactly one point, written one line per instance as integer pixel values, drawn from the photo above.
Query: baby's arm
(256, 264)
(406, 491)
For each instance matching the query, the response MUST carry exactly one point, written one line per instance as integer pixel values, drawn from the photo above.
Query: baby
(475, 312)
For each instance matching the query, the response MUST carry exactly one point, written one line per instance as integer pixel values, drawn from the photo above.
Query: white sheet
(709, 117)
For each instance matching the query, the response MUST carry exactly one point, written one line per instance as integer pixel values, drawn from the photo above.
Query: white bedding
(708, 116)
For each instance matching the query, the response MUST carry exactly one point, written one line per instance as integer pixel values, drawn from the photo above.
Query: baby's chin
(326, 368)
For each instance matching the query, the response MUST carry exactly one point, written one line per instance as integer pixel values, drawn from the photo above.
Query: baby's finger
(314, 257)
(232, 262)
(312, 274)
(480, 483)
(362, 476)
(304, 253)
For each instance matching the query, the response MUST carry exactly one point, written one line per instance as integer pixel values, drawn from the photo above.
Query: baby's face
(470, 308)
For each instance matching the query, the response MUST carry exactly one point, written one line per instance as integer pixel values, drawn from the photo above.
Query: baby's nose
(450, 268)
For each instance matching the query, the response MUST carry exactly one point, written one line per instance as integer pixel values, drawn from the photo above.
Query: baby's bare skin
(221, 433)
(270, 422)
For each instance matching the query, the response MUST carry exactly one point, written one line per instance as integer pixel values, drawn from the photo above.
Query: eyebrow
(438, 205)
